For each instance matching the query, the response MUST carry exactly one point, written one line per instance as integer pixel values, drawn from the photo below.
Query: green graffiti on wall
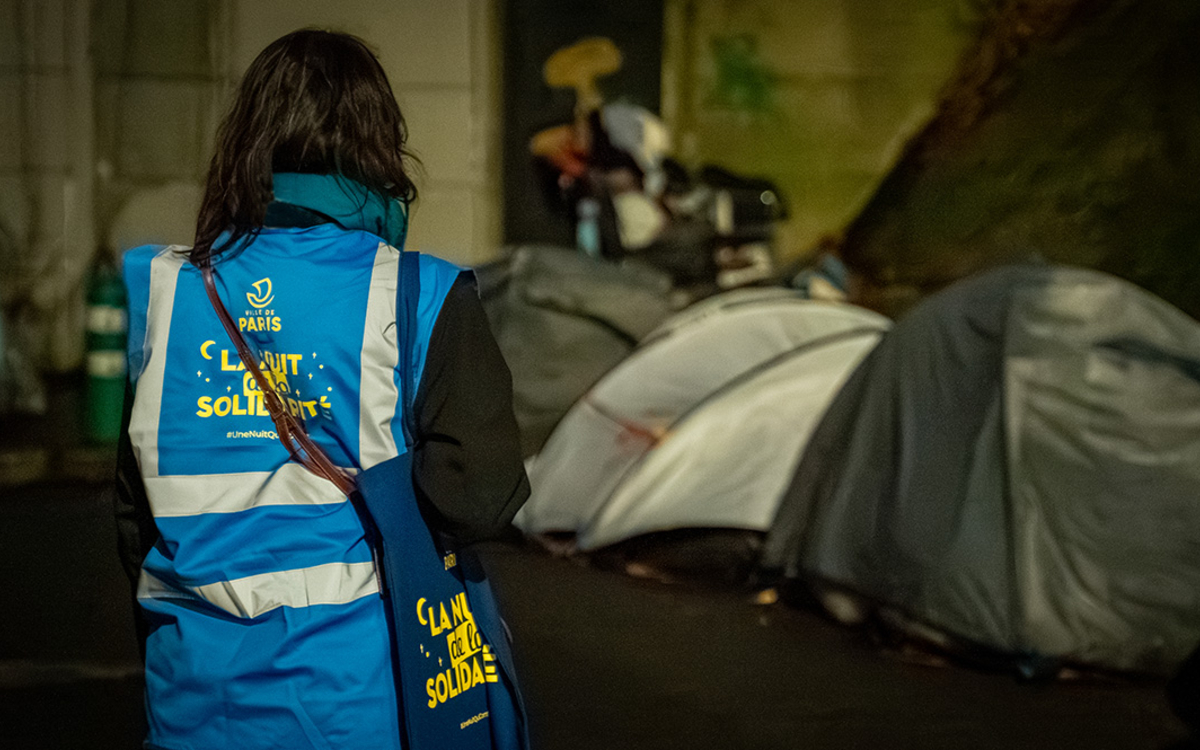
(743, 81)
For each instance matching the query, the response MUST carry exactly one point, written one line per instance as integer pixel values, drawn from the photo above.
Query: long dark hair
(312, 101)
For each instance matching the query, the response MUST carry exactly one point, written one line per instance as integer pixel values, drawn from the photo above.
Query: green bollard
(106, 331)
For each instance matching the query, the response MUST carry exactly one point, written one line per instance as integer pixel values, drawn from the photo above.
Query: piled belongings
(562, 320)
(701, 426)
(608, 168)
(1015, 470)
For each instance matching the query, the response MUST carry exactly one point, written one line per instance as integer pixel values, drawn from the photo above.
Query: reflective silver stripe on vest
(377, 385)
(290, 484)
(333, 583)
(143, 425)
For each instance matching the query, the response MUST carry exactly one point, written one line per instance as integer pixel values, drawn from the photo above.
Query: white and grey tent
(1016, 465)
(702, 425)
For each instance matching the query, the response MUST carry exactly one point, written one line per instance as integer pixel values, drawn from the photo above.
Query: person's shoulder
(146, 253)
(433, 265)
(438, 273)
(136, 261)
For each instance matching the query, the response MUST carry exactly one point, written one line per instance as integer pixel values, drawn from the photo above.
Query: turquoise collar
(351, 204)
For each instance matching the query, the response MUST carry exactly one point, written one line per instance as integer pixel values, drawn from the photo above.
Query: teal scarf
(349, 203)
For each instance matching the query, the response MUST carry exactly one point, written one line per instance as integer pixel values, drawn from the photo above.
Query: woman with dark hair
(258, 595)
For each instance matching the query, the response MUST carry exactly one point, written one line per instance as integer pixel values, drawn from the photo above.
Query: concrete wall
(108, 110)
(46, 135)
(175, 82)
(157, 105)
(440, 56)
(168, 67)
(820, 96)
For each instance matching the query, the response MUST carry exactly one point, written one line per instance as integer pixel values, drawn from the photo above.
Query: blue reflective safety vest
(266, 625)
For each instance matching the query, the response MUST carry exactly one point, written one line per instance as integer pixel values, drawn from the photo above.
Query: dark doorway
(533, 30)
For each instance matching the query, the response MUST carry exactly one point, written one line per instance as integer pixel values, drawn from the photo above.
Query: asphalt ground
(606, 660)
(610, 661)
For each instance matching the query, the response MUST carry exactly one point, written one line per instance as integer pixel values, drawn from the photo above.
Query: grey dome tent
(701, 426)
(563, 319)
(1017, 465)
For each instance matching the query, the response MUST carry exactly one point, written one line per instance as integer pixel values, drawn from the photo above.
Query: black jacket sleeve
(467, 461)
(136, 532)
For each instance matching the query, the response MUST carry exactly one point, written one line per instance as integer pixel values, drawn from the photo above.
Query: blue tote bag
(454, 666)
